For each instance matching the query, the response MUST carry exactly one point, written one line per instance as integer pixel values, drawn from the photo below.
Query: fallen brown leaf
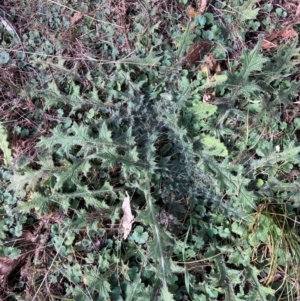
(194, 54)
(284, 33)
(77, 17)
(192, 13)
(218, 68)
(202, 6)
(288, 33)
(7, 265)
(212, 63)
(267, 45)
(273, 36)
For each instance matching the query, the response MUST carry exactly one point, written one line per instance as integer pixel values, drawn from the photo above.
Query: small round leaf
(4, 57)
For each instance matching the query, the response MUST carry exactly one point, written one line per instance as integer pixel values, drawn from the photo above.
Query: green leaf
(203, 110)
(252, 61)
(259, 292)
(75, 273)
(139, 235)
(37, 202)
(69, 239)
(249, 14)
(103, 287)
(160, 239)
(185, 41)
(4, 57)
(238, 229)
(78, 294)
(166, 295)
(282, 62)
(241, 257)
(246, 11)
(212, 83)
(12, 253)
(213, 145)
(104, 134)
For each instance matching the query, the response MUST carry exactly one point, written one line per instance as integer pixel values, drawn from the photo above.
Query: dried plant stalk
(193, 55)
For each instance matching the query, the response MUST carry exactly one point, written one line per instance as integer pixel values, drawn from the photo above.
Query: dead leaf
(7, 265)
(288, 33)
(206, 98)
(298, 10)
(212, 63)
(202, 6)
(182, 27)
(194, 54)
(77, 17)
(218, 68)
(192, 13)
(204, 68)
(273, 36)
(268, 45)
(8, 26)
(285, 33)
(128, 218)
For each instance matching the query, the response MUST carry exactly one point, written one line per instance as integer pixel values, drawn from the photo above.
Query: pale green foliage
(203, 110)
(283, 60)
(240, 81)
(166, 295)
(213, 146)
(4, 146)
(211, 83)
(246, 11)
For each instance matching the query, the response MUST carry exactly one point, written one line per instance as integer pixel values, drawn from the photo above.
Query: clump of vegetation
(149, 150)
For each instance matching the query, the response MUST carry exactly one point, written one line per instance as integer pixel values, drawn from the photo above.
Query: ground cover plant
(149, 150)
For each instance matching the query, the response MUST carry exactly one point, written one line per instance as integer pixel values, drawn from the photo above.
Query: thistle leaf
(252, 61)
(184, 41)
(247, 12)
(213, 145)
(203, 110)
